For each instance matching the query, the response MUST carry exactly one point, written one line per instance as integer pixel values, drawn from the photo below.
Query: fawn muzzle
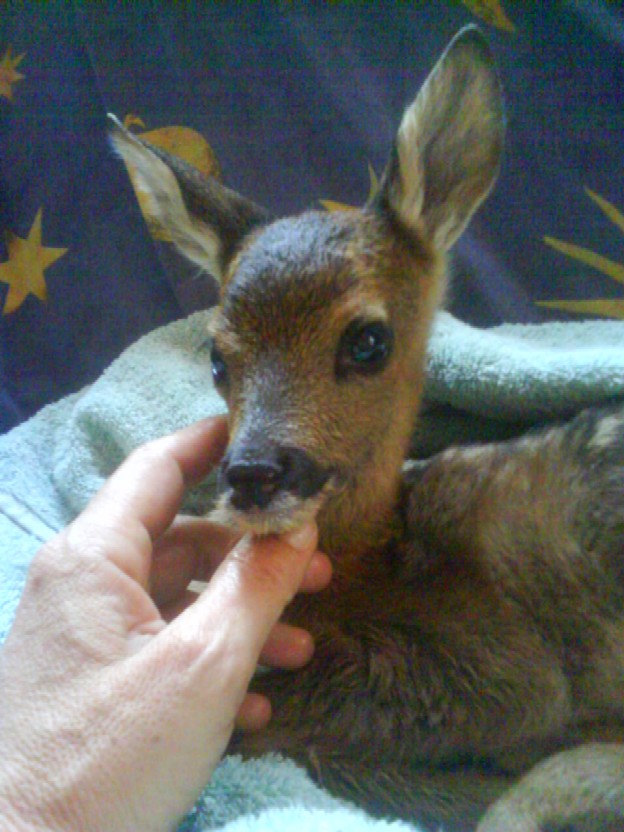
(258, 476)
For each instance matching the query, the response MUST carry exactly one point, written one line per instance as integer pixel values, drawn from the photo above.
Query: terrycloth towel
(481, 384)
(484, 385)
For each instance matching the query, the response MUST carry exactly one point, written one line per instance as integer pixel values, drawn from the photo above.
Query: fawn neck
(363, 517)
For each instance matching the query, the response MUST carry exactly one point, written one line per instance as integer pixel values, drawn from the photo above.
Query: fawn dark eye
(219, 367)
(364, 348)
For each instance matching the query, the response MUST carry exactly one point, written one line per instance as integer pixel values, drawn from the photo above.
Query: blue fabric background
(295, 100)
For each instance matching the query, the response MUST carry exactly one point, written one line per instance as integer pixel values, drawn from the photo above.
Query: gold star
(492, 12)
(23, 271)
(331, 205)
(8, 75)
(606, 307)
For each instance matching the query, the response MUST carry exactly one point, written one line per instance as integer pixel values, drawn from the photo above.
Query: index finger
(140, 500)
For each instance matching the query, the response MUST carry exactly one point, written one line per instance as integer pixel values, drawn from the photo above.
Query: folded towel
(159, 384)
(484, 385)
(481, 385)
(272, 793)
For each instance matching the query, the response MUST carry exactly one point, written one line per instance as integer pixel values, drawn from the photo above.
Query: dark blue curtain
(293, 104)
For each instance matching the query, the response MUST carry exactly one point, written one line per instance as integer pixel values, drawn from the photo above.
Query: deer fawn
(469, 665)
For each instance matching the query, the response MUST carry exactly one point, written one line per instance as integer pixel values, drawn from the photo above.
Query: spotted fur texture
(469, 662)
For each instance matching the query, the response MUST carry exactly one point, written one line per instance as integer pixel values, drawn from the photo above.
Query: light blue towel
(480, 384)
(491, 384)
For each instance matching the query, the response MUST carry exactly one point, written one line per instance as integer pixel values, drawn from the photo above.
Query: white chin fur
(290, 513)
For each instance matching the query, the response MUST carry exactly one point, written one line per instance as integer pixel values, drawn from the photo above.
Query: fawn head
(320, 334)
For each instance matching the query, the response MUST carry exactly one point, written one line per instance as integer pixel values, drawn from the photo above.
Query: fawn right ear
(449, 144)
(205, 220)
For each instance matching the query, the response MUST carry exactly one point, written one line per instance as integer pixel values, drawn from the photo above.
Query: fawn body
(470, 650)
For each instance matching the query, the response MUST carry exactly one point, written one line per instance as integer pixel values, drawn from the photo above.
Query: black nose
(253, 483)
(257, 476)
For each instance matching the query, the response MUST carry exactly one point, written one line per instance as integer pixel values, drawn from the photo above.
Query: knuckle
(196, 655)
(45, 564)
(150, 454)
(56, 557)
(84, 540)
(186, 649)
(56, 564)
(81, 543)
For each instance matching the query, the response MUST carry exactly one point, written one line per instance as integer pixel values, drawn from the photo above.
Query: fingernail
(302, 538)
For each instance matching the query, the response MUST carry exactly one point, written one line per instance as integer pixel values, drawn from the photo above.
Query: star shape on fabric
(24, 270)
(604, 307)
(8, 74)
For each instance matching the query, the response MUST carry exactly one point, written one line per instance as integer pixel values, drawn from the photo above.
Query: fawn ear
(205, 220)
(448, 148)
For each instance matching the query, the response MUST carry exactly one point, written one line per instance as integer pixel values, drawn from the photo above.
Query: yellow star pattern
(184, 142)
(331, 205)
(24, 269)
(605, 307)
(492, 12)
(8, 75)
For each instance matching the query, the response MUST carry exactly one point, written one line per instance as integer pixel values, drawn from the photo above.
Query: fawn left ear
(449, 144)
(205, 220)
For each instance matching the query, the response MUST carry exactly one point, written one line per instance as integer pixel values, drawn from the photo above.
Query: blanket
(481, 384)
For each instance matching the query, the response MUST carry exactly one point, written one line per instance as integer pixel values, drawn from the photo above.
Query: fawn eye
(364, 348)
(219, 367)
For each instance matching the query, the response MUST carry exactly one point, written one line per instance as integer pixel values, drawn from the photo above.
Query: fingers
(318, 574)
(170, 611)
(254, 713)
(141, 498)
(148, 487)
(235, 615)
(193, 548)
(288, 647)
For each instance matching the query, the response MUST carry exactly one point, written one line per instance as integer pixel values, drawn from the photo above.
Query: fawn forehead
(310, 272)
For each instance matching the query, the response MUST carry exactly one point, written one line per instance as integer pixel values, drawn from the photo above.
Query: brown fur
(470, 649)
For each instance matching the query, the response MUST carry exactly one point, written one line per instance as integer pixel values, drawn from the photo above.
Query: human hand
(111, 718)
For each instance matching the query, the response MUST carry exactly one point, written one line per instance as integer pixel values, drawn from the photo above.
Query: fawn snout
(258, 474)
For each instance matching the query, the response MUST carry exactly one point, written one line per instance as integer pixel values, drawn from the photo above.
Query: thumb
(192, 676)
(247, 595)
